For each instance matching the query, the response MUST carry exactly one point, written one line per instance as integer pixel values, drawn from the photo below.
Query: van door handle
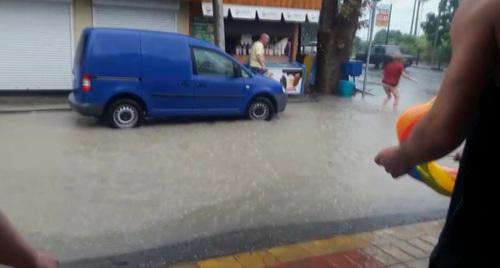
(201, 85)
(184, 84)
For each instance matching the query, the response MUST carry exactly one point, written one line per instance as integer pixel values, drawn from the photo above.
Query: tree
(437, 28)
(422, 48)
(359, 45)
(394, 37)
(338, 23)
(407, 42)
(432, 27)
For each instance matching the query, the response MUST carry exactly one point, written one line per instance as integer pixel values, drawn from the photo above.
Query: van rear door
(78, 62)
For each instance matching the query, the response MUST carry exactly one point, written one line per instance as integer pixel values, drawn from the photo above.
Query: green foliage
(440, 24)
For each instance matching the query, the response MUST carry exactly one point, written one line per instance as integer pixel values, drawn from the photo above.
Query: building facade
(38, 37)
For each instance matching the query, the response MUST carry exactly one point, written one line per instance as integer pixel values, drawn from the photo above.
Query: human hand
(394, 161)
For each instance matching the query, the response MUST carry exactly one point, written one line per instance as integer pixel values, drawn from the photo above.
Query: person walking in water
(392, 75)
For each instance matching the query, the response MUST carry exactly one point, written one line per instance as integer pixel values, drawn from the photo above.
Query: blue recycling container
(346, 88)
(352, 68)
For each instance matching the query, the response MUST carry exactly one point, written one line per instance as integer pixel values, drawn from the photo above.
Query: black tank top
(471, 226)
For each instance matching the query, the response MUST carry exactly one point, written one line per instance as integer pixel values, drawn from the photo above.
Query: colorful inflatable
(439, 178)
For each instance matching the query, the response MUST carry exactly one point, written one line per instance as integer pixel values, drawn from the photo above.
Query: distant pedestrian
(393, 71)
(257, 55)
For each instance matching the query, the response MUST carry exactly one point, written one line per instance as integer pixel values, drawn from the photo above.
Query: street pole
(422, 10)
(218, 8)
(417, 17)
(413, 16)
(388, 27)
(369, 23)
(436, 33)
(370, 43)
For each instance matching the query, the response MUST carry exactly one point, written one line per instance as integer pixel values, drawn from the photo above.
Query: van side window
(207, 62)
(244, 73)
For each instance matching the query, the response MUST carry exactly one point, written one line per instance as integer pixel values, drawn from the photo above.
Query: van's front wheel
(124, 113)
(261, 109)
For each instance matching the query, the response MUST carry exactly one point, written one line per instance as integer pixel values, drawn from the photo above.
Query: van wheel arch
(129, 96)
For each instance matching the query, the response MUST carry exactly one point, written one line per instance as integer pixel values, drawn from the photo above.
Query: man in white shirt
(257, 55)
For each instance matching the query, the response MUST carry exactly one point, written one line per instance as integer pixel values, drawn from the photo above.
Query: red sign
(383, 17)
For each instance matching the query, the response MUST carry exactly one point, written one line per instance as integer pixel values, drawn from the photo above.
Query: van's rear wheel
(261, 109)
(124, 113)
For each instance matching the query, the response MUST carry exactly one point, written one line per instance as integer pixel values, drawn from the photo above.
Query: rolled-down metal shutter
(145, 15)
(35, 45)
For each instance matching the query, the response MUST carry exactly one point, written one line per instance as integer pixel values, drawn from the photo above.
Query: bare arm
(443, 129)
(16, 252)
(261, 60)
(407, 76)
(473, 42)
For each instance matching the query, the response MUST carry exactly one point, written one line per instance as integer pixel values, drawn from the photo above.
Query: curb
(30, 110)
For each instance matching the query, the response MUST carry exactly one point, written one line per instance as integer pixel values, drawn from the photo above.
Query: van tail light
(86, 83)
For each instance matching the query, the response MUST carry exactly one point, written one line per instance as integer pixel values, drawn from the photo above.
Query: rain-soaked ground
(82, 190)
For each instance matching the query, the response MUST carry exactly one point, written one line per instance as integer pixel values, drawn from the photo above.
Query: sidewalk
(398, 247)
(23, 104)
(27, 103)
(429, 67)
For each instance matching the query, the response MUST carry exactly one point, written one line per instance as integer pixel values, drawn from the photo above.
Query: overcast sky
(401, 15)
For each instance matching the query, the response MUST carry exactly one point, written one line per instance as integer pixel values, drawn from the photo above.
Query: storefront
(147, 15)
(283, 21)
(39, 36)
(36, 44)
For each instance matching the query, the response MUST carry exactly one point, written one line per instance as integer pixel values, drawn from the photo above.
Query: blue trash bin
(346, 88)
(352, 68)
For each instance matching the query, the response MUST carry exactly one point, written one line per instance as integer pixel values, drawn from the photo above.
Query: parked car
(124, 76)
(381, 54)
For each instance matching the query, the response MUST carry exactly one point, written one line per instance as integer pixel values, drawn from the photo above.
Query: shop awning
(313, 16)
(250, 12)
(301, 4)
(208, 9)
(270, 13)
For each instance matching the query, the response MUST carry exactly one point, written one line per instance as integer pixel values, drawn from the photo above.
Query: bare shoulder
(490, 10)
(477, 12)
(476, 21)
(474, 41)
(494, 7)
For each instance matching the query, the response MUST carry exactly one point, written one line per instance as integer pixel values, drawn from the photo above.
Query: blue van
(124, 76)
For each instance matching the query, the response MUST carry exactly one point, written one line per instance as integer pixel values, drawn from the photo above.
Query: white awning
(313, 16)
(249, 12)
(295, 15)
(158, 4)
(270, 13)
(208, 10)
(242, 12)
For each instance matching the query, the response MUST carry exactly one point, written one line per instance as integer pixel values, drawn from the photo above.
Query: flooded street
(82, 190)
